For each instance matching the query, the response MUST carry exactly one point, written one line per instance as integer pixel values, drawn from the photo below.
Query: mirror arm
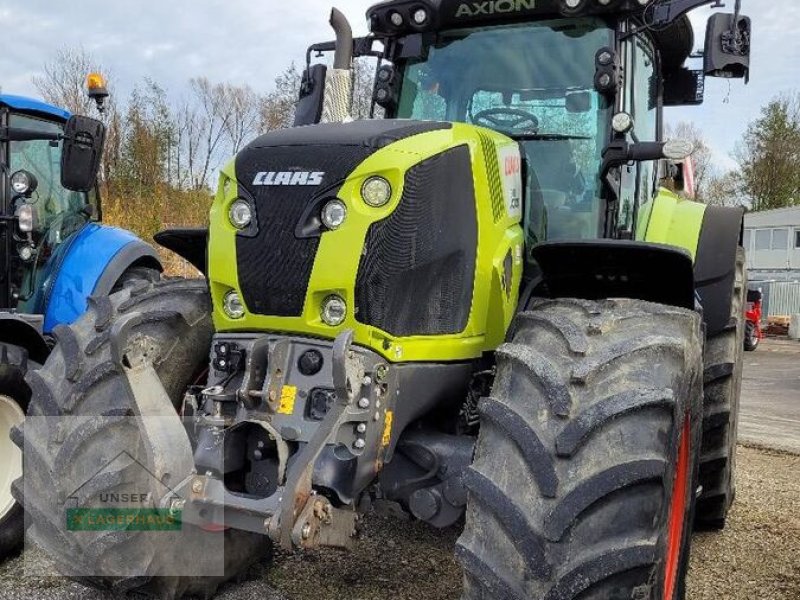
(665, 13)
(17, 134)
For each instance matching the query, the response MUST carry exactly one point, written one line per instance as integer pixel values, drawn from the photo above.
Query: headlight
(23, 183)
(334, 214)
(376, 191)
(240, 214)
(233, 306)
(334, 310)
(26, 217)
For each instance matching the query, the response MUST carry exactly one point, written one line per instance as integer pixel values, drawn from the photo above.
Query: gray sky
(250, 41)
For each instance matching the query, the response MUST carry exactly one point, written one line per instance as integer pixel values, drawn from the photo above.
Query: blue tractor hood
(29, 105)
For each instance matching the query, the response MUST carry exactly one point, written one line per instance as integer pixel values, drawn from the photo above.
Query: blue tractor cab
(54, 255)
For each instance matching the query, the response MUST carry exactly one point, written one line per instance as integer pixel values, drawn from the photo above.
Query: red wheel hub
(677, 511)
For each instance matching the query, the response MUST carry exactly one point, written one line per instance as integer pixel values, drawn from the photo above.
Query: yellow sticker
(387, 429)
(288, 396)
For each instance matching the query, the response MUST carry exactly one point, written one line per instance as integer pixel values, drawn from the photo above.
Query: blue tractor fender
(94, 262)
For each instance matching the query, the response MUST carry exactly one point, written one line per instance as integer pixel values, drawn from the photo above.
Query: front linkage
(262, 405)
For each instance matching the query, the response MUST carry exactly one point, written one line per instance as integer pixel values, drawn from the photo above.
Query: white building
(772, 242)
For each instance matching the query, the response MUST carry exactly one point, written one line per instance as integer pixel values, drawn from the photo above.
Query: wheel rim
(11, 465)
(677, 512)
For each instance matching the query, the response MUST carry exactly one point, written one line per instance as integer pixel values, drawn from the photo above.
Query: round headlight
(334, 310)
(233, 306)
(420, 16)
(23, 183)
(240, 214)
(622, 122)
(397, 19)
(376, 191)
(334, 214)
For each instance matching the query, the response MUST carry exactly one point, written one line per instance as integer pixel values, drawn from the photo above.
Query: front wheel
(14, 397)
(585, 474)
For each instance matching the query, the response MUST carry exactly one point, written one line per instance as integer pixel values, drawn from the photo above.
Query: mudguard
(712, 235)
(91, 265)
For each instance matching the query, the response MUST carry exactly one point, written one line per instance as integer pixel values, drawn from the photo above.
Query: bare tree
(243, 107)
(64, 80)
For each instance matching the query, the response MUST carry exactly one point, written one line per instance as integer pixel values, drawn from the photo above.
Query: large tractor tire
(584, 479)
(89, 407)
(724, 356)
(14, 397)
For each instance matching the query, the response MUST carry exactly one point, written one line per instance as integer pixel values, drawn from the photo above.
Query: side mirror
(727, 52)
(312, 96)
(84, 139)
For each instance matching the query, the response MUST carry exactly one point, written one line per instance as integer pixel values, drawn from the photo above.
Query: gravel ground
(758, 556)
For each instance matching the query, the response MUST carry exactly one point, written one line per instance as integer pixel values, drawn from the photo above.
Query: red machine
(753, 333)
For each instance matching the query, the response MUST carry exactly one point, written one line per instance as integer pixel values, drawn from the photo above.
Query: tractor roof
(403, 17)
(37, 107)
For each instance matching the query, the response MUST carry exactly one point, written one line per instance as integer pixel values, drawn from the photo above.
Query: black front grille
(275, 265)
(417, 272)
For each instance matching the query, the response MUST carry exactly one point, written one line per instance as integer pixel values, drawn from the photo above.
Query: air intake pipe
(339, 82)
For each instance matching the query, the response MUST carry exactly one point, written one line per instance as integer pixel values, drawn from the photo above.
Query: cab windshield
(58, 209)
(535, 83)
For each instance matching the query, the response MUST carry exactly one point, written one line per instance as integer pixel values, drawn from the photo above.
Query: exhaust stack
(339, 82)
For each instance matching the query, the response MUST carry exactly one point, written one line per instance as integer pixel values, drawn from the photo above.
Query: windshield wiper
(550, 137)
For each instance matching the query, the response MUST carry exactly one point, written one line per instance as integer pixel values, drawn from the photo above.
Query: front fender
(93, 263)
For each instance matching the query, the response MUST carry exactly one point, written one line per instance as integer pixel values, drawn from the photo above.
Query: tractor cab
(580, 84)
(48, 193)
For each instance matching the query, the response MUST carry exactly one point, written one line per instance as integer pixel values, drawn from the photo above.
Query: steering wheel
(513, 120)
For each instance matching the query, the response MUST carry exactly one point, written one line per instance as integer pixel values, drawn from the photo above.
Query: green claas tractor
(482, 307)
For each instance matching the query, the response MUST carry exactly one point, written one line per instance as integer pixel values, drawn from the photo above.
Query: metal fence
(781, 299)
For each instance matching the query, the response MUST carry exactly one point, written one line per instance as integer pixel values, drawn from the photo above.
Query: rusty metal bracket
(320, 524)
(169, 452)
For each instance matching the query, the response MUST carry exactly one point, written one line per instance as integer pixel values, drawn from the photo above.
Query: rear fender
(712, 235)
(94, 262)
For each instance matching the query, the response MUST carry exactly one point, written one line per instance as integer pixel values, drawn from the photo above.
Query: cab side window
(641, 100)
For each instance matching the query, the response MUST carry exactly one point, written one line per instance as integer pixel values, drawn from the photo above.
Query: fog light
(376, 191)
(420, 16)
(334, 214)
(23, 183)
(233, 306)
(334, 310)
(622, 122)
(240, 214)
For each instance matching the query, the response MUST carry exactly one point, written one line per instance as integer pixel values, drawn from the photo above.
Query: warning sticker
(288, 396)
(511, 174)
(387, 429)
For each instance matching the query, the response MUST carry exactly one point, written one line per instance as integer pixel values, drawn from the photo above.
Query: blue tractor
(54, 256)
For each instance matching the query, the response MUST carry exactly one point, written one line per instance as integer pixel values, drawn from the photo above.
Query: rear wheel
(584, 478)
(14, 397)
(90, 447)
(724, 362)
